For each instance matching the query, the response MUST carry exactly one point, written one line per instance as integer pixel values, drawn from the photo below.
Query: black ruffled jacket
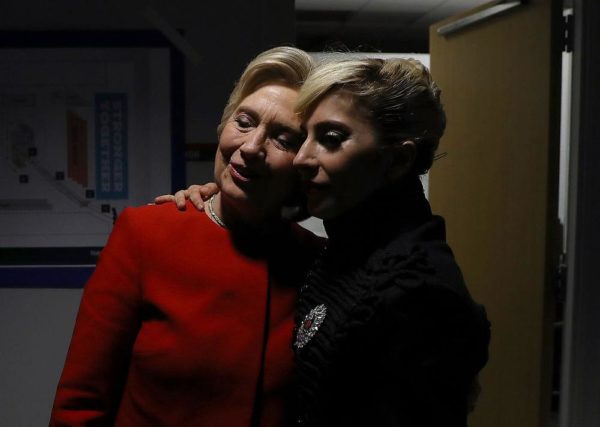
(402, 340)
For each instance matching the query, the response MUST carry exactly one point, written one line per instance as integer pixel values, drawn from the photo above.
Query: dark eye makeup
(333, 138)
(331, 135)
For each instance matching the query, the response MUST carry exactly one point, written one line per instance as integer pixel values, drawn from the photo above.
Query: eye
(332, 139)
(288, 141)
(243, 121)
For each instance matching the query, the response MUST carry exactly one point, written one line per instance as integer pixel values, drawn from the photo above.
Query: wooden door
(497, 188)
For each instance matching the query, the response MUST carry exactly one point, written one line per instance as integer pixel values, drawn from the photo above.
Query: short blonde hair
(399, 97)
(285, 65)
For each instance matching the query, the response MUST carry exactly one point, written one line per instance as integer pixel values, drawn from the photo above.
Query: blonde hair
(398, 96)
(284, 65)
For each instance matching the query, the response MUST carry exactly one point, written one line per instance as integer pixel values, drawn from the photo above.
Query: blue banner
(111, 146)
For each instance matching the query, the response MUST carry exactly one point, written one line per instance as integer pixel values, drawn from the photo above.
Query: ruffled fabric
(352, 301)
(386, 252)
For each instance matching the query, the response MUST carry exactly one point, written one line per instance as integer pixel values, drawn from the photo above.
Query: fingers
(208, 190)
(177, 198)
(165, 198)
(180, 198)
(200, 193)
(196, 196)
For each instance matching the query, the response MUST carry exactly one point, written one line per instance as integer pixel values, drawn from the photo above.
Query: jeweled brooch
(310, 325)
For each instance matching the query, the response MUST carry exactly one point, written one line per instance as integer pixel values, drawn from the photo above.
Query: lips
(242, 173)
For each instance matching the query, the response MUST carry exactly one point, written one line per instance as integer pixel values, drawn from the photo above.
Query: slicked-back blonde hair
(399, 97)
(284, 65)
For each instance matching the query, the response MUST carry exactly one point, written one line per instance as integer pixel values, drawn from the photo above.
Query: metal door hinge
(560, 280)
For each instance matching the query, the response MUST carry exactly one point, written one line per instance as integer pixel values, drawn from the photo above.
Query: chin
(325, 211)
(319, 211)
(233, 192)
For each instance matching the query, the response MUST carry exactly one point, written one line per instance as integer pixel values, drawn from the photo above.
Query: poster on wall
(85, 131)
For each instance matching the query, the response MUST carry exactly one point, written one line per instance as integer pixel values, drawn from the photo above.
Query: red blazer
(171, 327)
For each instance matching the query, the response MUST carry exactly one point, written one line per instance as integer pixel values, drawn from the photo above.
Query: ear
(402, 159)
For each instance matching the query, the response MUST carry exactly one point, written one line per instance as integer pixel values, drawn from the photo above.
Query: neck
(251, 236)
(379, 218)
(236, 216)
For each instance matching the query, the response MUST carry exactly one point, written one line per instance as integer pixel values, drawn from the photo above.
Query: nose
(305, 161)
(254, 145)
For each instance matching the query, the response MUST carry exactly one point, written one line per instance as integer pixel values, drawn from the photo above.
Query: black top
(401, 341)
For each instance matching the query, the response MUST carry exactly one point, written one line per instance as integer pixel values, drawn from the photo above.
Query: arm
(90, 387)
(197, 194)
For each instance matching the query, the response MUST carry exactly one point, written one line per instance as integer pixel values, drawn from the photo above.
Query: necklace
(213, 214)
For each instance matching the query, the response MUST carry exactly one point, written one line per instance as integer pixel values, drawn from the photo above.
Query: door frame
(581, 350)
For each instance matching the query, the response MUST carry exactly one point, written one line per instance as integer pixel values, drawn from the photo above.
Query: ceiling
(372, 25)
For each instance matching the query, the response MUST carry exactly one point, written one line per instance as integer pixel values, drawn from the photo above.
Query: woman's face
(340, 162)
(253, 165)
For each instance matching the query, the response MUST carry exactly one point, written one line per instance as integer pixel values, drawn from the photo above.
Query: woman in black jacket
(386, 331)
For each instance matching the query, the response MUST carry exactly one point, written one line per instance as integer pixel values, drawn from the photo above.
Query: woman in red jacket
(210, 345)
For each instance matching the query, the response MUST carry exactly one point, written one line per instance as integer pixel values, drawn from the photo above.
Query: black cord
(258, 400)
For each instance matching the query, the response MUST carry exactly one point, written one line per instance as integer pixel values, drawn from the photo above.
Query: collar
(374, 222)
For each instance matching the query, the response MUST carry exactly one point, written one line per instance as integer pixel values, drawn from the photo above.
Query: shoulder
(167, 212)
(162, 224)
(421, 284)
(417, 277)
(420, 255)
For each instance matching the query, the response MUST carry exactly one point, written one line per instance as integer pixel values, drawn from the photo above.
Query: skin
(341, 162)
(253, 165)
